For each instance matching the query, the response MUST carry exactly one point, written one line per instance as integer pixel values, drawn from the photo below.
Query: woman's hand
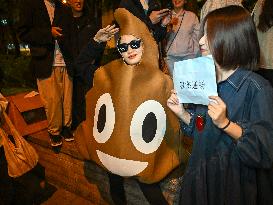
(177, 108)
(105, 34)
(156, 16)
(166, 20)
(217, 110)
(174, 105)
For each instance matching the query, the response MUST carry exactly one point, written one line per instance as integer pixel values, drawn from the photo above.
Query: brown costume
(128, 128)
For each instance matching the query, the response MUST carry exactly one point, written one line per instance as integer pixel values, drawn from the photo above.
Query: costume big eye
(104, 119)
(147, 128)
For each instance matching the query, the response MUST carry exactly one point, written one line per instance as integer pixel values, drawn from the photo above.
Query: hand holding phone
(157, 16)
(165, 12)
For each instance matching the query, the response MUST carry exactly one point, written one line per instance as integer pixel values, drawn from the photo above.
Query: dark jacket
(34, 28)
(84, 28)
(83, 79)
(135, 7)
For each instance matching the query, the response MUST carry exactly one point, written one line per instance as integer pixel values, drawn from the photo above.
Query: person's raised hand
(105, 34)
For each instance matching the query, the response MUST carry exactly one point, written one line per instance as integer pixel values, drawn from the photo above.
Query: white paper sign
(195, 80)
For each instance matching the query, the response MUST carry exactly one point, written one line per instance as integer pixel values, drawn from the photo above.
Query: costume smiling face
(128, 128)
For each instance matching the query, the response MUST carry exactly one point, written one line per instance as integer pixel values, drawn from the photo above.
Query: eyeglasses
(134, 44)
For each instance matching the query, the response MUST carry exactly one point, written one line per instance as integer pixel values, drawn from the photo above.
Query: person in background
(84, 27)
(182, 36)
(150, 13)
(232, 156)
(263, 18)
(211, 5)
(44, 25)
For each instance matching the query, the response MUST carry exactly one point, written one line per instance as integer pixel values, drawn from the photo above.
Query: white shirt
(58, 57)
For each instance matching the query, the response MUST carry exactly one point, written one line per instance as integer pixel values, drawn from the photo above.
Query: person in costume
(45, 26)
(232, 156)
(129, 130)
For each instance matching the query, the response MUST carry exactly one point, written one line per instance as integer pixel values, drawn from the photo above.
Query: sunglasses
(134, 44)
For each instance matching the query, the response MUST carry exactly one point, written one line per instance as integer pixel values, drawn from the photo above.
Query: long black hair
(266, 16)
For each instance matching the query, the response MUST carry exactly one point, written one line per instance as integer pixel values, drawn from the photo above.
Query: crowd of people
(232, 155)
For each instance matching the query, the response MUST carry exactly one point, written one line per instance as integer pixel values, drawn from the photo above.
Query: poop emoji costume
(129, 131)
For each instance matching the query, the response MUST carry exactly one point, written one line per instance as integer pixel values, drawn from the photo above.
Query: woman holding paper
(232, 156)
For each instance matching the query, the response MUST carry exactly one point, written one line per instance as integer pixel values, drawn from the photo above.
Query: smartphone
(165, 11)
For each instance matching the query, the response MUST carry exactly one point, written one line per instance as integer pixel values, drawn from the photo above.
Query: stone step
(66, 169)
(64, 197)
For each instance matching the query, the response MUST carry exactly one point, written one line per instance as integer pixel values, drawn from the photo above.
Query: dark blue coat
(223, 171)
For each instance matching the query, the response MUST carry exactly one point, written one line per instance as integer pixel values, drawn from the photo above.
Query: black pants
(152, 192)
(6, 182)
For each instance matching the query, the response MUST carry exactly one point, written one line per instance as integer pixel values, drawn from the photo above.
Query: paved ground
(63, 197)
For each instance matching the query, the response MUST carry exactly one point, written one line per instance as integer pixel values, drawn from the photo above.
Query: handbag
(20, 155)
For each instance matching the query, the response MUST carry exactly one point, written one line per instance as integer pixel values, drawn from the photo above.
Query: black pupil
(149, 127)
(101, 118)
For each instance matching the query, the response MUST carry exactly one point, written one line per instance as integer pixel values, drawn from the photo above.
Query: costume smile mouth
(122, 167)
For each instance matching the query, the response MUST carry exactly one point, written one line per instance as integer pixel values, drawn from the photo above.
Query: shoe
(55, 140)
(67, 134)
